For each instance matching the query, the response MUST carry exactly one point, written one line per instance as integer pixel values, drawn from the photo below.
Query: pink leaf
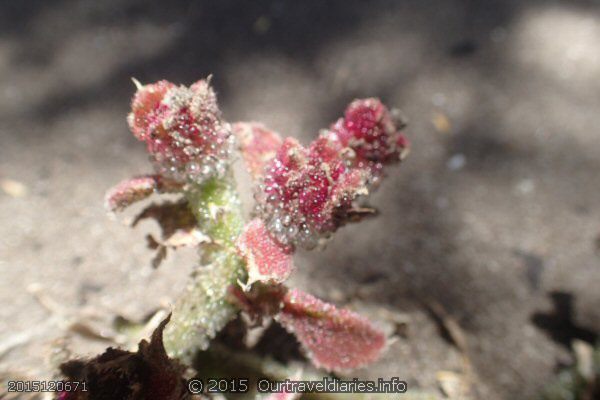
(183, 130)
(335, 339)
(258, 145)
(266, 259)
(306, 191)
(370, 130)
(133, 190)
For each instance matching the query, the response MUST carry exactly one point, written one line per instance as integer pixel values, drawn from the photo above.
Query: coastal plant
(302, 193)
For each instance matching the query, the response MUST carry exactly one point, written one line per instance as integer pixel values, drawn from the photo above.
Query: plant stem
(203, 309)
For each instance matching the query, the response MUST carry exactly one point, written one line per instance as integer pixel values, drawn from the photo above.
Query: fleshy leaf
(183, 130)
(258, 145)
(369, 129)
(133, 190)
(335, 339)
(306, 192)
(266, 259)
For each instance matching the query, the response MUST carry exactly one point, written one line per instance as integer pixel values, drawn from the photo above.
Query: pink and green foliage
(307, 193)
(266, 260)
(335, 339)
(183, 130)
(257, 144)
(369, 129)
(303, 195)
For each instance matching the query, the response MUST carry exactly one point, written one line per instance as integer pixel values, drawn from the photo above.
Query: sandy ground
(496, 208)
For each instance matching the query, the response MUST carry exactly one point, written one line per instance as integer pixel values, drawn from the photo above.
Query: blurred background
(486, 252)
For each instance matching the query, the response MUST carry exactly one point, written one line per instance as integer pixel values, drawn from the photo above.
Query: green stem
(203, 309)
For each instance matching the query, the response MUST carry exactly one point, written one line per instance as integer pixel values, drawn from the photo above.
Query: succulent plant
(303, 194)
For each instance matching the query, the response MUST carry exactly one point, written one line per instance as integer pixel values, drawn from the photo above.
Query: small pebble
(456, 162)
